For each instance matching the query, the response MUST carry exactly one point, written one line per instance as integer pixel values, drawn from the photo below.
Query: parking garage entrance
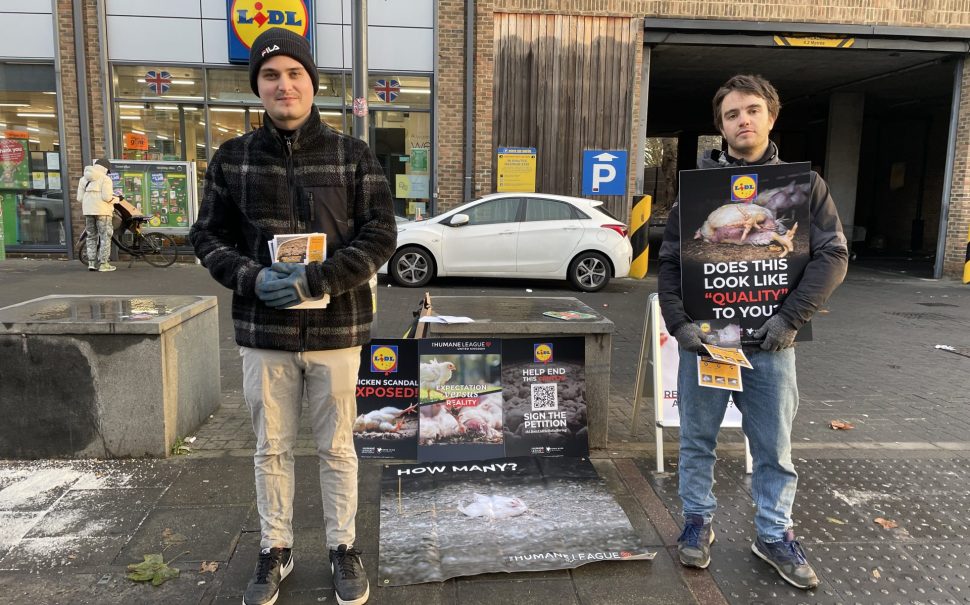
(871, 111)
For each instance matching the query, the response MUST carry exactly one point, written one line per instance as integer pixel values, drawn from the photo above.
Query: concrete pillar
(842, 154)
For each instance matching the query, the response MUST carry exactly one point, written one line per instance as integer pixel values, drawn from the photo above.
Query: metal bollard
(639, 236)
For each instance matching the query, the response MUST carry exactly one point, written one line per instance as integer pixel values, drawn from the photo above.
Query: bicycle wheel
(158, 249)
(82, 248)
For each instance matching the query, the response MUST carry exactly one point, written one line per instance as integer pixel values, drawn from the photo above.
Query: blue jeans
(768, 405)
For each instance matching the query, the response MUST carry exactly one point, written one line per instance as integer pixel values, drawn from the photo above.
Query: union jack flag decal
(387, 90)
(158, 81)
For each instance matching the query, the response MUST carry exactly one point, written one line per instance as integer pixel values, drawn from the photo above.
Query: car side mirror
(458, 220)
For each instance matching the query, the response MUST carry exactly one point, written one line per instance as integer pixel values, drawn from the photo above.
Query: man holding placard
(782, 253)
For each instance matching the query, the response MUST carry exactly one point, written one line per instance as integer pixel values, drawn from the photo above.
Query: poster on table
(666, 364)
(744, 243)
(386, 426)
(461, 410)
(544, 388)
(448, 519)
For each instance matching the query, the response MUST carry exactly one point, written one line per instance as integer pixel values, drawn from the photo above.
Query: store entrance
(874, 123)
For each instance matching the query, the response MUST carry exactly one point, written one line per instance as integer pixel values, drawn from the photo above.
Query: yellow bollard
(639, 236)
(966, 262)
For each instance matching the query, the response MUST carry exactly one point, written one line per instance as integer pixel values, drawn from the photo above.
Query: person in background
(297, 175)
(95, 191)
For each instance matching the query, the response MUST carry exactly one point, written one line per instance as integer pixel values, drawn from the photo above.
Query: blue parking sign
(604, 172)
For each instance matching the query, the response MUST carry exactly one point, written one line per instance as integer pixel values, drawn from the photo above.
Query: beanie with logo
(281, 41)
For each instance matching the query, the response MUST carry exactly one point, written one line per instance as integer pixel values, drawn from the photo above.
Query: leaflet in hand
(298, 248)
(303, 248)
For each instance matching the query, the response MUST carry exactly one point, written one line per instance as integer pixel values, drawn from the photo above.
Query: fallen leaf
(876, 574)
(885, 523)
(834, 520)
(170, 537)
(209, 566)
(841, 425)
(153, 569)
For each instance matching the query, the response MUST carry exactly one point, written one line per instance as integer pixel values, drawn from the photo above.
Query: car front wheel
(589, 272)
(412, 267)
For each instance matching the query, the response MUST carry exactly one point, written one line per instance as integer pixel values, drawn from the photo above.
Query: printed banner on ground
(444, 520)
(744, 243)
(387, 398)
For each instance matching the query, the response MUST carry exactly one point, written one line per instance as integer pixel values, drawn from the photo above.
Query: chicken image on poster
(386, 426)
(544, 387)
(744, 243)
(449, 519)
(461, 408)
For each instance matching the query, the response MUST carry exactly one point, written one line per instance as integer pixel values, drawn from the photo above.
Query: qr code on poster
(544, 397)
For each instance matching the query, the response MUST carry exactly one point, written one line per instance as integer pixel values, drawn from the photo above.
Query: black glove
(692, 339)
(284, 285)
(777, 334)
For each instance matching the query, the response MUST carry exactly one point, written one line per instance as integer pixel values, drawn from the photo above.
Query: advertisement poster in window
(14, 167)
(386, 426)
(460, 399)
(165, 191)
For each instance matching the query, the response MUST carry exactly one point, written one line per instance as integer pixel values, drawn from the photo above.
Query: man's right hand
(692, 339)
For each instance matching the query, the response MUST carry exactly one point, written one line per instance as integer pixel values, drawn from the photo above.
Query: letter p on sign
(604, 172)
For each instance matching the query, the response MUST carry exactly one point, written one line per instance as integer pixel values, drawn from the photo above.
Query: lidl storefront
(157, 82)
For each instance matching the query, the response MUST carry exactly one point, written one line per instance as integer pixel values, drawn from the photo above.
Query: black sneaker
(788, 558)
(349, 579)
(274, 565)
(694, 543)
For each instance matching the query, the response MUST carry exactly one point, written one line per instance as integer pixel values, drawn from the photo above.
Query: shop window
(156, 82)
(31, 191)
(392, 91)
(402, 143)
(153, 131)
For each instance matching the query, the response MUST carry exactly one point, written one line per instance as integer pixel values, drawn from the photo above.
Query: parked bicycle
(158, 249)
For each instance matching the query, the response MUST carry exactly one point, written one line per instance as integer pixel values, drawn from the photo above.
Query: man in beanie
(296, 175)
(95, 191)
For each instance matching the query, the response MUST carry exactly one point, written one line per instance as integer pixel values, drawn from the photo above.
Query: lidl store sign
(249, 18)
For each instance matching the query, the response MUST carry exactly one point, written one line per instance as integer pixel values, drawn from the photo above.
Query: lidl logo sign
(542, 353)
(249, 18)
(744, 187)
(383, 358)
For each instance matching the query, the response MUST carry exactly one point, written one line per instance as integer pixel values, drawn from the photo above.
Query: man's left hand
(777, 334)
(289, 289)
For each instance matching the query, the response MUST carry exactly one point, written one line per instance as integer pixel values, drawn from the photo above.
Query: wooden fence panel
(564, 84)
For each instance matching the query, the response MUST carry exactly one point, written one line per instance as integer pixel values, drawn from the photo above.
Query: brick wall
(450, 117)
(95, 93)
(959, 217)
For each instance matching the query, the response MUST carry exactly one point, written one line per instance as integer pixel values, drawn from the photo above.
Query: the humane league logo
(383, 358)
(744, 187)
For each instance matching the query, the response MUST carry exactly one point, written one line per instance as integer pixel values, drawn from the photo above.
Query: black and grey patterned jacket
(264, 184)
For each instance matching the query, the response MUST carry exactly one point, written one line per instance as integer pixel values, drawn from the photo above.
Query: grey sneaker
(788, 558)
(92, 266)
(349, 579)
(694, 543)
(107, 267)
(274, 565)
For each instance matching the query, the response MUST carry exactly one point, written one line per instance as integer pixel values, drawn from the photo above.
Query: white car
(527, 235)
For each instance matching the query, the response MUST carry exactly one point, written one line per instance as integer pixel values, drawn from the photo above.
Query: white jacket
(95, 192)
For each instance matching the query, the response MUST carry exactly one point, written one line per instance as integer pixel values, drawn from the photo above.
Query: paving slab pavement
(69, 528)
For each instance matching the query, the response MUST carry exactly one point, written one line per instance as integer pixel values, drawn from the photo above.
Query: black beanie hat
(105, 163)
(281, 41)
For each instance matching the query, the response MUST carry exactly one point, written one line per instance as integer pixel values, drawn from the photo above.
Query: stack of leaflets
(303, 248)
